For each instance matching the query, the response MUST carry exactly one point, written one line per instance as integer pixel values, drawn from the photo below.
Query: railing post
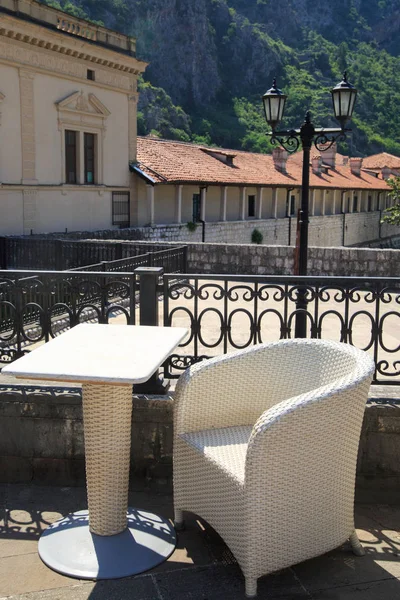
(118, 251)
(3, 257)
(184, 260)
(149, 315)
(59, 257)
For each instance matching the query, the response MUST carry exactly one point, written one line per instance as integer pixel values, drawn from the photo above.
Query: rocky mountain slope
(211, 60)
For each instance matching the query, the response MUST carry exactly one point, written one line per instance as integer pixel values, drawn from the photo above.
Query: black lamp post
(343, 98)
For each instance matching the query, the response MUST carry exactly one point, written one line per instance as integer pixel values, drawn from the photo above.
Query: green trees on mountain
(392, 214)
(211, 60)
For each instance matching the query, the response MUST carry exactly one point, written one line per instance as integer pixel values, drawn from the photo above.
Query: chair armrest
(305, 439)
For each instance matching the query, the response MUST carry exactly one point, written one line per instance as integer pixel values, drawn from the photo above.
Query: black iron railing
(62, 254)
(222, 312)
(36, 306)
(173, 260)
(226, 312)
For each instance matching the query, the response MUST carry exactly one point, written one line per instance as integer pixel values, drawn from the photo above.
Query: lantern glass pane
(267, 109)
(336, 103)
(275, 102)
(345, 97)
(352, 101)
(281, 108)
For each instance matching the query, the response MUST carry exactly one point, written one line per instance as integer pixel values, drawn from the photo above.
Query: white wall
(11, 211)
(213, 203)
(233, 204)
(76, 210)
(164, 204)
(10, 127)
(143, 213)
(50, 89)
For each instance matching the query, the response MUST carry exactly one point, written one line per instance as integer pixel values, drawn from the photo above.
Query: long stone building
(234, 192)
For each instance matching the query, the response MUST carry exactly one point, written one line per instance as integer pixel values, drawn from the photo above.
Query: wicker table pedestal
(109, 540)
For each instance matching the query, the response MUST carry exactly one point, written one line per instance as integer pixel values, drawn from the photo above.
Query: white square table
(109, 540)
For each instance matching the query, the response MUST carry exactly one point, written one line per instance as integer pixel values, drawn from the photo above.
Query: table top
(114, 354)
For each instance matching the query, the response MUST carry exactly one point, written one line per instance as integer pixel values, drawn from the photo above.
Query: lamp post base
(68, 547)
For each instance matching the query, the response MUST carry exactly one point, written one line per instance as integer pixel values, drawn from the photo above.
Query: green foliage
(191, 226)
(392, 214)
(158, 115)
(256, 236)
(211, 60)
(71, 9)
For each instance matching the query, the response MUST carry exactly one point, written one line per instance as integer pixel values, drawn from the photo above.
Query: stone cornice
(42, 60)
(62, 187)
(38, 39)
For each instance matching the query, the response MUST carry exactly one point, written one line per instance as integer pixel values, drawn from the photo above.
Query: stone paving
(201, 568)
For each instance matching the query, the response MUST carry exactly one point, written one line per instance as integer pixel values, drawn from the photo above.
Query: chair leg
(251, 587)
(358, 550)
(179, 523)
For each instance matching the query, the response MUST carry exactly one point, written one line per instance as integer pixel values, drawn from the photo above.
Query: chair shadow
(28, 510)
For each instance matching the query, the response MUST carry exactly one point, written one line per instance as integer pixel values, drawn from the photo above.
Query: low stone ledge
(41, 441)
(41, 437)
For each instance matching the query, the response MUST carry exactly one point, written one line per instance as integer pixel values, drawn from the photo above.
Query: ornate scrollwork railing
(221, 312)
(230, 312)
(36, 307)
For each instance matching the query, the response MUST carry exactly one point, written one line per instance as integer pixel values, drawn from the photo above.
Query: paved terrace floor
(201, 568)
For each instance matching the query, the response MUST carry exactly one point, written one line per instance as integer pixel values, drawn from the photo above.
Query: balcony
(41, 447)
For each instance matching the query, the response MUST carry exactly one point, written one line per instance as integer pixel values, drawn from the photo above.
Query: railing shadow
(28, 510)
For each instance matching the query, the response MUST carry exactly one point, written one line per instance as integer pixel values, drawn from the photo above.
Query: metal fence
(226, 312)
(173, 260)
(60, 254)
(221, 312)
(36, 306)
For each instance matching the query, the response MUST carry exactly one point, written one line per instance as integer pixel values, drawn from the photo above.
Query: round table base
(67, 546)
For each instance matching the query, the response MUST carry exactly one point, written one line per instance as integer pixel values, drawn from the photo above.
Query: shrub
(191, 226)
(257, 236)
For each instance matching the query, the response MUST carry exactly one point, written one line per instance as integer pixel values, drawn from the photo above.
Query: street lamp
(274, 100)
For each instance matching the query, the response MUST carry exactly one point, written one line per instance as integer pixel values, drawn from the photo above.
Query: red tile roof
(384, 159)
(167, 161)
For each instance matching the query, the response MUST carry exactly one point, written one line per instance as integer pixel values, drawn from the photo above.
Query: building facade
(234, 192)
(68, 102)
(70, 158)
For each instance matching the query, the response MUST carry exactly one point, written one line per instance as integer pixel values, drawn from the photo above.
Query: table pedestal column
(109, 540)
(107, 414)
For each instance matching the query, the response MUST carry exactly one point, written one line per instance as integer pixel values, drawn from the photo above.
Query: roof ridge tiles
(200, 146)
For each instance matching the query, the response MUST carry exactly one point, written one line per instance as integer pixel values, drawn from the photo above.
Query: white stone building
(68, 98)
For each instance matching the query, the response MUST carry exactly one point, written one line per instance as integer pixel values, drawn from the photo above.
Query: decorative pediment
(83, 103)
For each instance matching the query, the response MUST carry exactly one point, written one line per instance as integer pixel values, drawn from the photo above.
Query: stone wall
(331, 230)
(278, 260)
(41, 441)
(323, 231)
(41, 436)
(253, 259)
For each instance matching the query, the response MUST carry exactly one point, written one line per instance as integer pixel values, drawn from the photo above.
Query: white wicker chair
(265, 449)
